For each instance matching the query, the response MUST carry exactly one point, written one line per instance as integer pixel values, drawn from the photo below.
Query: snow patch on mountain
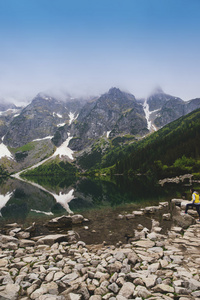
(64, 150)
(9, 110)
(4, 199)
(107, 134)
(5, 152)
(57, 114)
(72, 117)
(60, 125)
(147, 114)
(42, 212)
(45, 138)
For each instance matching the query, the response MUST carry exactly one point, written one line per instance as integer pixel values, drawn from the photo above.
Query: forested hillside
(172, 150)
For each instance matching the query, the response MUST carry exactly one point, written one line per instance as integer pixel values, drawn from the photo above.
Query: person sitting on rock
(195, 202)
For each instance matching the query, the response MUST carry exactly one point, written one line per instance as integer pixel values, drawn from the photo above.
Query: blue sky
(88, 46)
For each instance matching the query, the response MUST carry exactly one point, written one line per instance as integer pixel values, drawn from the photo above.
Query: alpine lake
(101, 202)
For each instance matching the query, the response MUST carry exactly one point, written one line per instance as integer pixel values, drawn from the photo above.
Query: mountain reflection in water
(4, 199)
(21, 201)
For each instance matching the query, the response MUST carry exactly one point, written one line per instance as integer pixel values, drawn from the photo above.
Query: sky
(85, 47)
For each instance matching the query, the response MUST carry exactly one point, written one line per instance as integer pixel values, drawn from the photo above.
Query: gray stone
(196, 294)
(10, 292)
(153, 267)
(23, 235)
(77, 219)
(70, 277)
(119, 256)
(114, 277)
(183, 221)
(115, 267)
(127, 290)
(194, 284)
(143, 292)
(51, 288)
(182, 291)
(12, 246)
(152, 236)
(52, 239)
(26, 243)
(49, 276)
(101, 291)
(7, 279)
(4, 239)
(166, 217)
(3, 262)
(132, 258)
(151, 209)
(63, 221)
(113, 287)
(72, 296)
(108, 296)
(32, 288)
(130, 216)
(138, 281)
(83, 291)
(119, 297)
(138, 213)
(95, 297)
(163, 288)
(144, 243)
(150, 281)
(58, 275)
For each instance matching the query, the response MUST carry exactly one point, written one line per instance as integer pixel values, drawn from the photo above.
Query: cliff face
(192, 105)
(114, 113)
(165, 108)
(38, 120)
(7, 112)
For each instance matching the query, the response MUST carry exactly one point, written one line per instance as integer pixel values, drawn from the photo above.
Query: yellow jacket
(195, 197)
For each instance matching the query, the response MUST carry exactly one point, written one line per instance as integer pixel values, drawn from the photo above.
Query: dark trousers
(192, 205)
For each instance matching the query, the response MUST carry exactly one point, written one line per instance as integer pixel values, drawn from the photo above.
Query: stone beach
(152, 265)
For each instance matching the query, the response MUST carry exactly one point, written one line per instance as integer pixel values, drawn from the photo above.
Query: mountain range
(34, 132)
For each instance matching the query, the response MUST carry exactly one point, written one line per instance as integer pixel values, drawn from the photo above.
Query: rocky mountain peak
(42, 98)
(113, 91)
(116, 93)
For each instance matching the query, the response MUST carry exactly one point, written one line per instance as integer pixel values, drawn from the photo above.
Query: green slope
(174, 148)
(54, 167)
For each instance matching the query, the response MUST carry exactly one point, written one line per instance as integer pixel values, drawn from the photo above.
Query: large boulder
(11, 291)
(54, 238)
(183, 220)
(77, 219)
(63, 221)
(152, 209)
(4, 239)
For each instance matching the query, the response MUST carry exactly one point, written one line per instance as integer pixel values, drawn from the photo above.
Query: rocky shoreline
(60, 266)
